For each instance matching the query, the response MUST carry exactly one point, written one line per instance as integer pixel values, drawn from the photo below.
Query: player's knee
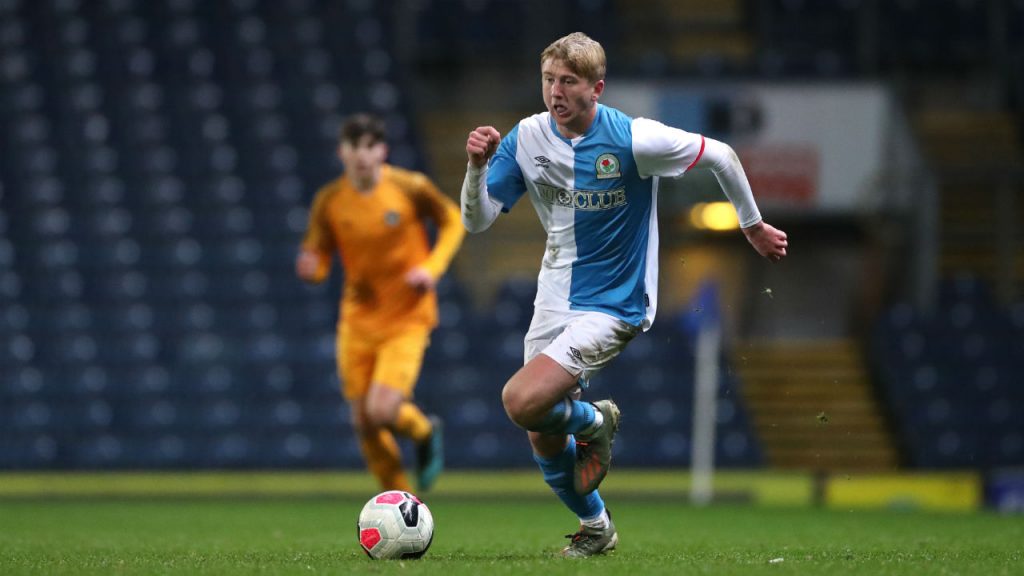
(518, 405)
(379, 414)
(509, 401)
(376, 419)
(366, 419)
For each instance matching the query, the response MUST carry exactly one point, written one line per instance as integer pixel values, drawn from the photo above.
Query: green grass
(493, 536)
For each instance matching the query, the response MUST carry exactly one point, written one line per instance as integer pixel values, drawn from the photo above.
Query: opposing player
(374, 217)
(592, 175)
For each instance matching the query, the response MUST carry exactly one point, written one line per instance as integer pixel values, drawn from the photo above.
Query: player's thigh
(356, 358)
(399, 360)
(563, 349)
(589, 342)
(534, 388)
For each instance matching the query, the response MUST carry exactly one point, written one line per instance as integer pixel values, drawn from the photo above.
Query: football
(395, 525)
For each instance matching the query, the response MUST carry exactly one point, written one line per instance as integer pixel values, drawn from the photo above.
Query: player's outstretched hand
(768, 240)
(420, 279)
(306, 265)
(481, 144)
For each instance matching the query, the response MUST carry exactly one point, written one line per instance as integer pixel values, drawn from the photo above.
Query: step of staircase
(813, 406)
(971, 151)
(690, 29)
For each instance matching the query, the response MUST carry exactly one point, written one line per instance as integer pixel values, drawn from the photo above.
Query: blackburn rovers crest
(607, 166)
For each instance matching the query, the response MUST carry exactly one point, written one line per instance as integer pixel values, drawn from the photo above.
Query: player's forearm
(727, 168)
(449, 237)
(479, 210)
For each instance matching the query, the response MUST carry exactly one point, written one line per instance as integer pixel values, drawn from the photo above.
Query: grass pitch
(492, 535)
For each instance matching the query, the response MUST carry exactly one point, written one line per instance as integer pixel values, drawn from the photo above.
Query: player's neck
(364, 187)
(365, 184)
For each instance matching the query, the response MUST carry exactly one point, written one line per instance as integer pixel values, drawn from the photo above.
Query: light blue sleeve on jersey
(504, 177)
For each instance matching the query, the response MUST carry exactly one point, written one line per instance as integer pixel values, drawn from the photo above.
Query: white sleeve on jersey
(662, 150)
(479, 210)
(727, 168)
(669, 152)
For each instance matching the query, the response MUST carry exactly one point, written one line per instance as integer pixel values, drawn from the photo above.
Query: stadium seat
(947, 383)
(159, 162)
(31, 451)
(14, 317)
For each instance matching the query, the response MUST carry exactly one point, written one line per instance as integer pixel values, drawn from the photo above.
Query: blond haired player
(591, 172)
(374, 217)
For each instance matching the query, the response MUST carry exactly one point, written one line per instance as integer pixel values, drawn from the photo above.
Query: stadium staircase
(813, 407)
(977, 157)
(699, 34)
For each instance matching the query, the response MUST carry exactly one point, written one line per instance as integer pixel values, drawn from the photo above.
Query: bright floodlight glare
(714, 216)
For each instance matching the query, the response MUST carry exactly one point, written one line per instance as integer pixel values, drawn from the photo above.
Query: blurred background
(158, 158)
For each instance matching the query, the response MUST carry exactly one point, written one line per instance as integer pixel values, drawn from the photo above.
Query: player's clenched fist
(768, 240)
(481, 145)
(307, 265)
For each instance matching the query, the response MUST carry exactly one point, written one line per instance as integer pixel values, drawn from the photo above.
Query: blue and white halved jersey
(596, 196)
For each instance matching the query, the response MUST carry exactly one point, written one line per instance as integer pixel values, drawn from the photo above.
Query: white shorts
(583, 342)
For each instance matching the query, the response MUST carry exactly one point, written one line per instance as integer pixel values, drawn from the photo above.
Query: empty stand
(949, 378)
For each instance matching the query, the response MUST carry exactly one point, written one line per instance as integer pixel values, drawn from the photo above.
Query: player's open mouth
(560, 110)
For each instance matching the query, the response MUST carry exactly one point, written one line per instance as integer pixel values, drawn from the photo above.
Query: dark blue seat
(156, 182)
(949, 384)
(32, 451)
(230, 449)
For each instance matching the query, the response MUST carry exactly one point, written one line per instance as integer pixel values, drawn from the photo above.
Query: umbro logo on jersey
(542, 161)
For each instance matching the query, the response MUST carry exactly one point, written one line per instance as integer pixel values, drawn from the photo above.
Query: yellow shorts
(393, 361)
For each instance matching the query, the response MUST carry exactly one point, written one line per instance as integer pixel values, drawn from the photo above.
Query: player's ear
(598, 89)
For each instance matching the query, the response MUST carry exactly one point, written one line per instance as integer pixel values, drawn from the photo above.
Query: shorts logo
(607, 166)
(575, 353)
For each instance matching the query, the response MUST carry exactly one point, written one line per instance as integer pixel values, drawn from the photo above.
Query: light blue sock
(558, 474)
(568, 416)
